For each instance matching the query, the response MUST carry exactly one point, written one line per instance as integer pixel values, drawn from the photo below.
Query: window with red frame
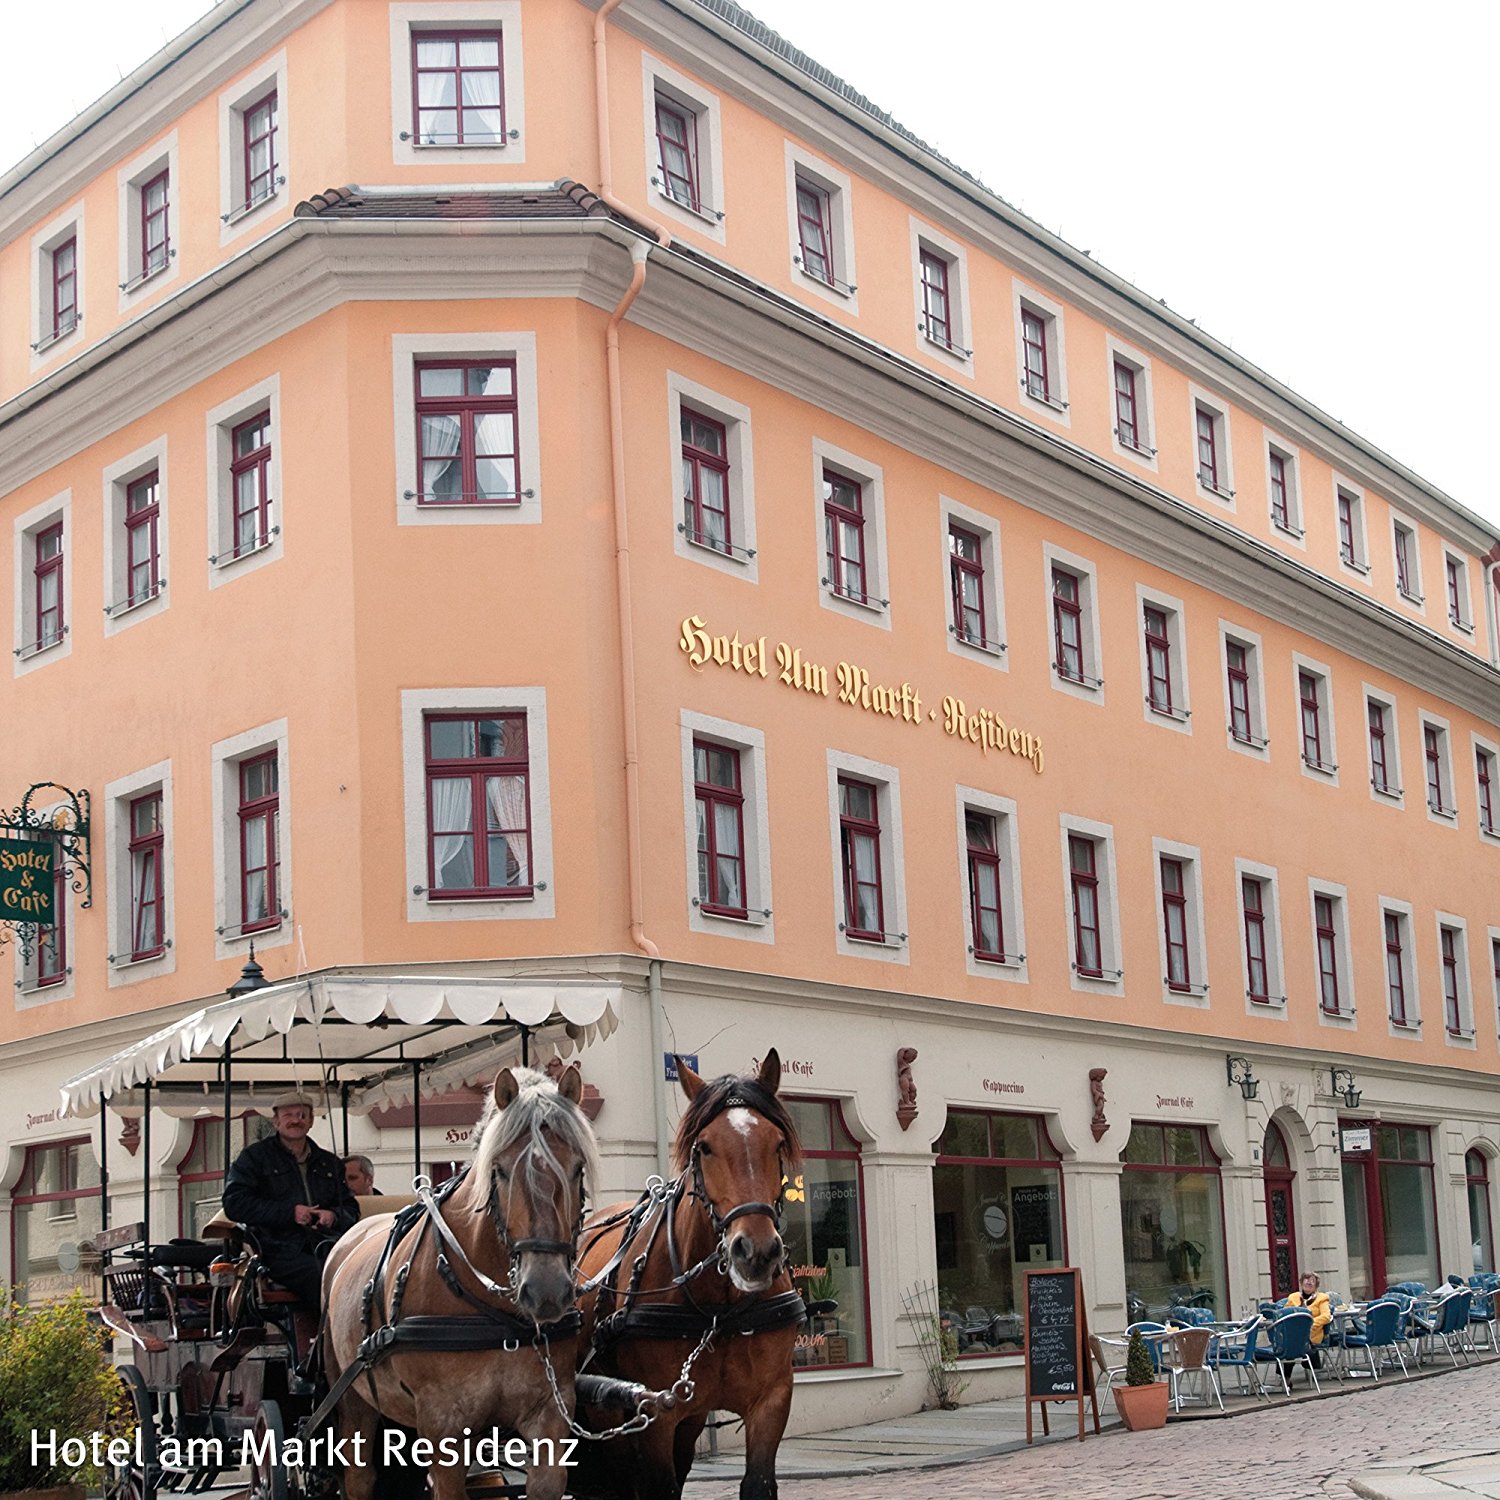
(1034, 355)
(1325, 928)
(1432, 754)
(1127, 421)
(1495, 969)
(466, 432)
(200, 1177)
(57, 1200)
(458, 95)
(1395, 967)
(51, 943)
(1453, 571)
(1453, 1016)
(844, 536)
(156, 248)
(258, 131)
(986, 917)
(859, 840)
(1281, 506)
(142, 543)
(1208, 448)
(1158, 660)
(1067, 625)
(1083, 878)
(966, 578)
(1347, 548)
(937, 315)
(1481, 1231)
(1403, 562)
(1310, 698)
(1380, 773)
(48, 586)
(1257, 969)
(815, 229)
(478, 806)
(260, 842)
(1238, 667)
(250, 483)
(1484, 771)
(721, 829)
(677, 153)
(1174, 903)
(147, 938)
(705, 482)
(64, 288)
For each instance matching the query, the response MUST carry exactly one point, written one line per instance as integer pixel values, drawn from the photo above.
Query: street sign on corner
(669, 1064)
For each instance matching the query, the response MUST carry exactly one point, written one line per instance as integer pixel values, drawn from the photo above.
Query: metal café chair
(1185, 1353)
(1107, 1371)
(1234, 1349)
(1382, 1332)
(1290, 1343)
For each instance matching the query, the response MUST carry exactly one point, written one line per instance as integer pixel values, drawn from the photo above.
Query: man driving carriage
(292, 1193)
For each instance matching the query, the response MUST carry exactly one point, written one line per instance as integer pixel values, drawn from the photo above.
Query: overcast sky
(1314, 183)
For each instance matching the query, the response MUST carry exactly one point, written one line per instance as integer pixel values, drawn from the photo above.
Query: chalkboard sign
(1057, 1368)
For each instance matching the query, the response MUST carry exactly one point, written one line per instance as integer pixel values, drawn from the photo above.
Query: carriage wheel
(268, 1480)
(134, 1414)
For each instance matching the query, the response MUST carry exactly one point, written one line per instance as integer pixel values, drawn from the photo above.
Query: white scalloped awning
(367, 1031)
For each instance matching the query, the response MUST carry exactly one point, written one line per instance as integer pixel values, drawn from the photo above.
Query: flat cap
(291, 1099)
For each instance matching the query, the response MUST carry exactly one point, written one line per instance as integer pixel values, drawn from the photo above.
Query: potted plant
(54, 1378)
(1142, 1400)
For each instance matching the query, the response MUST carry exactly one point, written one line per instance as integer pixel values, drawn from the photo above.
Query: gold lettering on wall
(852, 685)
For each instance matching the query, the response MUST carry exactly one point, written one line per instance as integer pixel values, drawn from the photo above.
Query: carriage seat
(371, 1204)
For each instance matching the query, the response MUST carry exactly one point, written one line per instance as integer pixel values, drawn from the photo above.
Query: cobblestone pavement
(1306, 1451)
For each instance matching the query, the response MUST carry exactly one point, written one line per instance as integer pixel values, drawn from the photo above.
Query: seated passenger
(293, 1194)
(359, 1173)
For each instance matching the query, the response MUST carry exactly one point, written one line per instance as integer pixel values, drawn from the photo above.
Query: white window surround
(1026, 298)
(225, 758)
(1465, 622)
(1478, 742)
(871, 479)
(28, 993)
(1417, 599)
(1410, 980)
(118, 795)
(1360, 568)
(1112, 981)
(23, 591)
(1223, 496)
(1145, 404)
(1091, 690)
(657, 77)
(264, 395)
(991, 554)
(1327, 771)
(1197, 996)
(1448, 818)
(1492, 936)
(118, 477)
(887, 782)
(1181, 716)
(1295, 532)
(1396, 797)
(541, 905)
(802, 163)
(759, 925)
(1465, 1036)
(1275, 1005)
(744, 561)
(503, 16)
(162, 157)
(925, 237)
(68, 225)
(406, 350)
(1259, 747)
(1012, 906)
(245, 92)
(1343, 959)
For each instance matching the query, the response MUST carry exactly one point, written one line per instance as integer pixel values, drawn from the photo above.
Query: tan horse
(710, 1249)
(515, 1220)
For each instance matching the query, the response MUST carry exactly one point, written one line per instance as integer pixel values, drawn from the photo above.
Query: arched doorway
(1281, 1227)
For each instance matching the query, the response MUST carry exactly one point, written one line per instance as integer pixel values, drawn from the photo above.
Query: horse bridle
(699, 1188)
(515, 1248)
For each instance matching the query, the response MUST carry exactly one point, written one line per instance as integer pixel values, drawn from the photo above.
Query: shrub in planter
(54, 1377)
(1142, 1400)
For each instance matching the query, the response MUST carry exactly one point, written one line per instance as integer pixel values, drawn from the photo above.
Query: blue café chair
(1483, 1310)
(1230, 1354)
(1290, 1343)
(1382, 1331)
(1450, 1323)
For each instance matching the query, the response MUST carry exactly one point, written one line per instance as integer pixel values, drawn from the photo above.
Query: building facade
(528, 488)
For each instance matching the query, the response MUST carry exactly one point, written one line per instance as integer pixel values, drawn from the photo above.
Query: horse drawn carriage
(491, 1336)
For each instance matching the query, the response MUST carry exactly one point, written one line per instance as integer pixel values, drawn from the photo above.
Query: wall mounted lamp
(1237, 1069)
(1343, 1084)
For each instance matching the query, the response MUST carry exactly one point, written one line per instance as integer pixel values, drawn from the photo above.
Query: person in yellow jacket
(1317, 1303)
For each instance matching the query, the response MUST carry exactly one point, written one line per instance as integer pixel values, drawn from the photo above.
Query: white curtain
(507, 800)
(442, 470)
(451, 809)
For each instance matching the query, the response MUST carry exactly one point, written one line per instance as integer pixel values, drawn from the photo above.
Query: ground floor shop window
(997, 1213)
(1172, 1216)
(824, 1228)
(1390, 1206)
(57, 1206)
(200, 1178)
(1477, 1171)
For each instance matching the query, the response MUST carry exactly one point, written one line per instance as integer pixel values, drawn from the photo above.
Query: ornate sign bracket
(51, 811)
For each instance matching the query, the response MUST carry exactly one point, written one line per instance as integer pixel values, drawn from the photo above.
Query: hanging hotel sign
(44, 851)
(26, 879)
(851, 685)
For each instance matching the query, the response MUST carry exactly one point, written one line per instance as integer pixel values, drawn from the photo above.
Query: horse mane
(538, 1108)
(725, 1093)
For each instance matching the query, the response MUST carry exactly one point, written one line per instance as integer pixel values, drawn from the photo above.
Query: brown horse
(683, 1275)
(515, 1222)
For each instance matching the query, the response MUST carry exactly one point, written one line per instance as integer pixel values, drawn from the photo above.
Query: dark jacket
(264, 1188)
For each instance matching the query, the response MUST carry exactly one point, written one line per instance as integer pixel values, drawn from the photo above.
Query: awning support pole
(103, 1165)
(228, 1125)
(146, 1291)
(416, 1119)
(344, 1110)
(525, 1045)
